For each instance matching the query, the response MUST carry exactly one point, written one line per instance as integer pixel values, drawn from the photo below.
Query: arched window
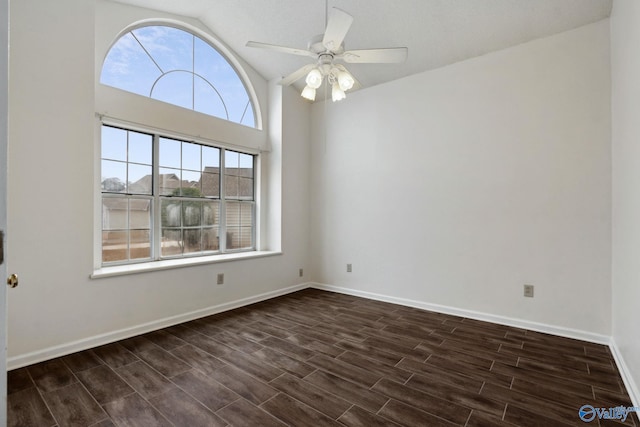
(180, 68)
(170, 190)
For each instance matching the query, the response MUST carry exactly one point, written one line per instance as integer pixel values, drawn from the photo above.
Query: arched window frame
(213, 42)
(117, 107)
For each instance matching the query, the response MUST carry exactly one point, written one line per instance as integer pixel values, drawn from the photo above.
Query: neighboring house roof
(239, 183)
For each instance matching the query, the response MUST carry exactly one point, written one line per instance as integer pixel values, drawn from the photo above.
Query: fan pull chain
(324, 119)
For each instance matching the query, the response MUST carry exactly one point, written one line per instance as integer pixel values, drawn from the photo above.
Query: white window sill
(121, 270)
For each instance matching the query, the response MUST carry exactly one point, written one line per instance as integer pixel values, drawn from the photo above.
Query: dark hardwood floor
(315, 358)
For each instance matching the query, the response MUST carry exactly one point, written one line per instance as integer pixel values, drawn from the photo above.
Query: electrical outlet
(349, 268)
(220, 279)
(528, 291)
(300, 273)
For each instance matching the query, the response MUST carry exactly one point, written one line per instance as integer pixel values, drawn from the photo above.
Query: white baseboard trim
(629, 383)
(21, 360)
(486, 317)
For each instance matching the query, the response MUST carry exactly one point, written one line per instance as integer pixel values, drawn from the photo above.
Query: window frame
(218, 46)
(223, 253)
(120, 108)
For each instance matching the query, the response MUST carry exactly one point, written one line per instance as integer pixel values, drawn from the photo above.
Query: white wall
(457, 186)
(57, 307)
(625, 70)
(451, 187)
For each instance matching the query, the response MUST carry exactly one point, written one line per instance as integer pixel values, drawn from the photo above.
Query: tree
(177, 214)
(113, 185)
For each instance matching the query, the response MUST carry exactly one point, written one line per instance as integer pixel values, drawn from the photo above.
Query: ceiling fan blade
(376, 56)
(282, 49)
(337, 28)
(296, 75)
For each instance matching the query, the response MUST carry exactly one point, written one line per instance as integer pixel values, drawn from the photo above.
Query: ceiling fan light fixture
(337, 94)
(327, 49)
(309, 93)
(345, 80)
(314, 79)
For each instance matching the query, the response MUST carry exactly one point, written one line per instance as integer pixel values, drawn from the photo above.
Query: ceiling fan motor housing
(315, 45)
(325, 63)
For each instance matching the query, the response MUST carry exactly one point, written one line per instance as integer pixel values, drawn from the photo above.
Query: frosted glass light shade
(337, 94)
(309, 93)
(345, 80)
(314, 79)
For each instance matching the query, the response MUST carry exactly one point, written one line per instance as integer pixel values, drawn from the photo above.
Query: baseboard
(486, 317)
(629, 383)
(21, 360)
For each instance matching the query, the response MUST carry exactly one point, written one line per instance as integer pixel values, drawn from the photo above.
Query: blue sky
(174, 66)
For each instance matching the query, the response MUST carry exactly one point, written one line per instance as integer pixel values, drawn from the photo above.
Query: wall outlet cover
(528, 291)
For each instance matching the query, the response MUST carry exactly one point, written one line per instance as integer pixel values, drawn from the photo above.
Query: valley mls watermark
(588, 413)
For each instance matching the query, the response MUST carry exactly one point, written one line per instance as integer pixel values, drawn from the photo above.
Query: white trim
(166, 264)
(105, 119)
(625, 373)
(21, 360)
(486, 317)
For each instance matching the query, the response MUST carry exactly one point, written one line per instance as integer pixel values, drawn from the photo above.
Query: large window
(180, 68)
(167, 198)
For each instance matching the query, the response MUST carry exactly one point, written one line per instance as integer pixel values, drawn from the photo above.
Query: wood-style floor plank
(245, 385)
(316, 358)
(104, 384)
(358, 417)
(26, 408)
(183, 410)
(134, 411)
(144, 379)
(315, 397)
(295, 413)
(51, 375)
(73, 405)
(198, 359)
(19, 379)
(207, 390)
(362, 396)
(242, 412)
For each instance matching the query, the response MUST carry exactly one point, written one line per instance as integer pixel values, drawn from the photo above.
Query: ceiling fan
(327, 49)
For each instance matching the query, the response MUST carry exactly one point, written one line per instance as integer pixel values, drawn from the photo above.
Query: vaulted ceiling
(437, 32)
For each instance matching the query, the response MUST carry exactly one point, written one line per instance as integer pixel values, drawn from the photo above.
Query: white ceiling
(437, 32)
